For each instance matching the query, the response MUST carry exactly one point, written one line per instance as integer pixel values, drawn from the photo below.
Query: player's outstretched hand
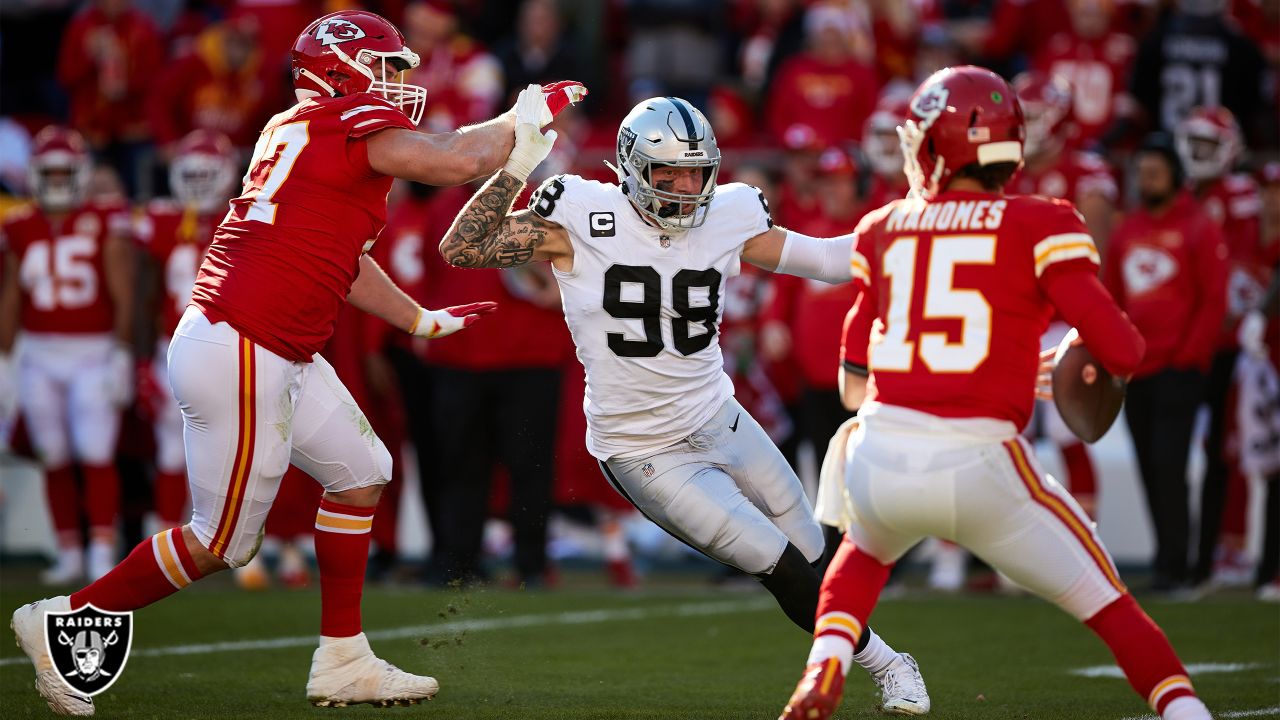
(560, 95)
(438, 323)
(1044, 376)
(532, 146)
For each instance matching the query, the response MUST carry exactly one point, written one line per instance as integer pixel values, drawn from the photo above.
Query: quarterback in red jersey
(244, 364)
(961, 280)
(175, 233)
(68, 288)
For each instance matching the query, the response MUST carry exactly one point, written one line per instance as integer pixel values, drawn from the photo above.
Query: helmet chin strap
(317, 80)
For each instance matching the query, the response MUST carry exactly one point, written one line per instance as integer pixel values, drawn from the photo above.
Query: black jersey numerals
(649, 309)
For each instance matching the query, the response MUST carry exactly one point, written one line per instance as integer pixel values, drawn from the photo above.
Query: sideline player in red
(961, 280)
(175, 233)
(244, 363)
(68, 286)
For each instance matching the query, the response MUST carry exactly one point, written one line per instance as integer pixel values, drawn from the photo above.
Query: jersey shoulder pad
(19, 214)
(1054, 230)
(748, 200)
(559, 191)
(1240, 183)
(365, 113)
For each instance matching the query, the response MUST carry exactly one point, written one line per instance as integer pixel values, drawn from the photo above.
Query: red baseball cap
(836, 162)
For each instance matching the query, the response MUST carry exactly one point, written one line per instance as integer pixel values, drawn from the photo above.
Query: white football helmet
(1208, 141)
(203, 173)
(58, 174)
(667, 131)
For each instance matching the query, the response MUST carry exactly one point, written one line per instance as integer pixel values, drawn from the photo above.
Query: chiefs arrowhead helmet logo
(929, 104)
(338, 30)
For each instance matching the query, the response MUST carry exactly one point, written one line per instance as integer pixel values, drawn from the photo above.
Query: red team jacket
(60, 269)
(176, 239)
(1234, 202)
(283, 261)
(961, 288)
(1169, 273)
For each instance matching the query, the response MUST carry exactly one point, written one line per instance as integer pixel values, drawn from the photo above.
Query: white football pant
(974, 482)
(725, 490)
(170, 455)
(66, 397)
(247, 414)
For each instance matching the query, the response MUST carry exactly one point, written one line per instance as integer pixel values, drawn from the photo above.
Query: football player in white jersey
(641, 267)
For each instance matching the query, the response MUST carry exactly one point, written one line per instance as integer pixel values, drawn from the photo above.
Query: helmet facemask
(1205, 154)
(59, 180)
(411, 99)
(665, 206)
(1041, 119)
(201, 181)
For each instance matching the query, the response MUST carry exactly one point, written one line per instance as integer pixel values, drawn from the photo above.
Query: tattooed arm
(487, 234)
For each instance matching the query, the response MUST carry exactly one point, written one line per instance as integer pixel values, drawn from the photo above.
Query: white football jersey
(644, 306)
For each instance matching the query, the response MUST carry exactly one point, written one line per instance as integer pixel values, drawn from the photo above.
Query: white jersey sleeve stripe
(363, 108)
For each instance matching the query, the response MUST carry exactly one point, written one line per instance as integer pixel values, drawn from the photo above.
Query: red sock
(102, 497)
(157, 568)
(1080, 477)
(170, 496)
(342, 552)
(1142, 651)
(851, 588)
(64, 504)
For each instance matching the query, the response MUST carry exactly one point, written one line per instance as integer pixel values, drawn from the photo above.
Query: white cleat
(67, 570)
(344, 671)
(28, 626)
(902, 687)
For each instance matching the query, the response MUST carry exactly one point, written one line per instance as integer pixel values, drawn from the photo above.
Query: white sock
(1186, 708)
(876, 656)
(826, 646)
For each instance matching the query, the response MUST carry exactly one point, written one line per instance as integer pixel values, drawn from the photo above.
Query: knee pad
(242, 557)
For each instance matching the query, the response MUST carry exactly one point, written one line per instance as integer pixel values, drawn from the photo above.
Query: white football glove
(438, 323)
(532, 146)
(120, 375)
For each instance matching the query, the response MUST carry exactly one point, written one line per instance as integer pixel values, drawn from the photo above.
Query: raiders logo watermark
(89, 647)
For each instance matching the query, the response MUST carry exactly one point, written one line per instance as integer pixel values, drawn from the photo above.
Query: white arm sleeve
(825, 259)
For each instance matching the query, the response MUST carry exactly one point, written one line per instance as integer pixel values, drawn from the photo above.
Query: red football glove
(560, 95)
(446, 321)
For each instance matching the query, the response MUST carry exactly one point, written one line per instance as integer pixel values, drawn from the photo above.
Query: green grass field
(678, 650)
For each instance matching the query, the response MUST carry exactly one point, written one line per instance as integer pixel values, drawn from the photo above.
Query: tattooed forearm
(483, 235)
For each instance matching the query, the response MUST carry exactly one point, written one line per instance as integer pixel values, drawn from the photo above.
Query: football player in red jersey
(244, 365)
(884, 156)
(1209, 142)
(1052, 170)
(961, 280)
(176, 232)
(1094, 58)
(68, 287)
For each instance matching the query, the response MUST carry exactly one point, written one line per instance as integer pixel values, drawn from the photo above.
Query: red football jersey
(1098, 70)
(957, 285)
(176, 239)
(283, 260)
(1071, 178)
(60, 269)
(1235, 203)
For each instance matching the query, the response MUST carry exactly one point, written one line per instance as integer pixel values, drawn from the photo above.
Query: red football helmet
(959, 116)
(60, 168)
(1046, 105)
(335, 56)
(203, 170)
(1208, 141)
(880, 136)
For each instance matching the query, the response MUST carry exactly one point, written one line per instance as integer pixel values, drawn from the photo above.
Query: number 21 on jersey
(277, 150)
(942, 300)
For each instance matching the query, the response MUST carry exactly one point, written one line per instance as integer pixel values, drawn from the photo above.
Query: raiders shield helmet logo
(88, 646)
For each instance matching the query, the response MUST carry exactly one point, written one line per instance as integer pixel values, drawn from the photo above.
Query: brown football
(1088, 408)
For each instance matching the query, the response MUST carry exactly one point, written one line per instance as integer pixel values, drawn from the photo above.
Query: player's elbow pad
(825, 259)
(1106, 331)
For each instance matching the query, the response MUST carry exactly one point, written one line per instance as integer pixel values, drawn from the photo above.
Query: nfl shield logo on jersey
(647, 470)
(88, 646)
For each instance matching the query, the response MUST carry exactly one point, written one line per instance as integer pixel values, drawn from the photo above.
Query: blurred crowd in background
(804, 96)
